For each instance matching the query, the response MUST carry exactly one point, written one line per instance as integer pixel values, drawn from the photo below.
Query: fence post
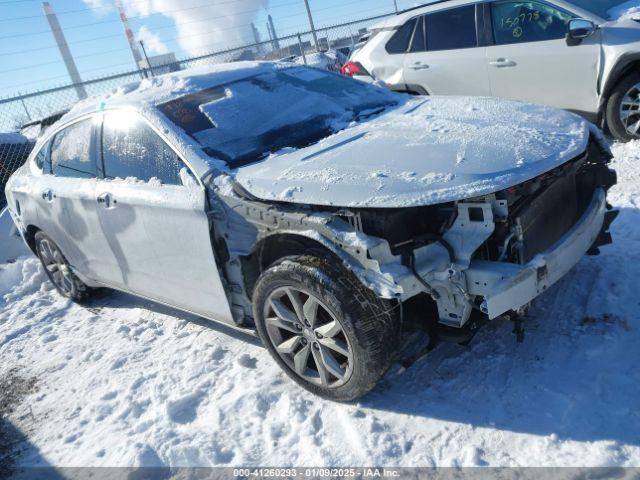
(57, 98)
(313, 28)
(24, 105)
(304, 57)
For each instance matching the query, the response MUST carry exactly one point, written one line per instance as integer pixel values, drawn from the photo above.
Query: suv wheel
(623, 109)
(58, 269)
(326, 330)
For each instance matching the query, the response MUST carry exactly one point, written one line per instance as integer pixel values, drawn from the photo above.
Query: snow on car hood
(430, 150)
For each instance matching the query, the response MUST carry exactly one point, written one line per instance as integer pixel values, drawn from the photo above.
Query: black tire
(370, 326)
(612, 111)
(58, 269)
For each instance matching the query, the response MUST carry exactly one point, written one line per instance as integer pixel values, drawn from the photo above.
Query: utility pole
(146, 59)
(58, 35)
(313, 28)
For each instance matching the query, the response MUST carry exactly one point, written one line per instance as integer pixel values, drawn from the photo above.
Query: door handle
(106, 200)
(419, 66)
(502, 62)
(48, 195)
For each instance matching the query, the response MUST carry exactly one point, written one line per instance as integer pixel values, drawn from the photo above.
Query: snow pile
(123, 381)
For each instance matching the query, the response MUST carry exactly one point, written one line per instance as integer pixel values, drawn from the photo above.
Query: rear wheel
(58, 269)
(623, 109)
(326, 330)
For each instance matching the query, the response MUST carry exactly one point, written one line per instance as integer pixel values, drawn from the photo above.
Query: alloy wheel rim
(308, 337)
(630, 111)
(57, 267)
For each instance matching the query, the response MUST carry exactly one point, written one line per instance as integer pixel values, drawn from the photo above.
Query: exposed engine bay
(488, 255)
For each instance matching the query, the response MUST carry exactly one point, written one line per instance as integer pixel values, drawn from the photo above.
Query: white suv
(580, 55)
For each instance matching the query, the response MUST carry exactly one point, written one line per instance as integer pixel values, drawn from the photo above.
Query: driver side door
(531, 61)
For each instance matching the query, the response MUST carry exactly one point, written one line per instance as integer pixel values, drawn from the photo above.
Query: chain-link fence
(23, 117)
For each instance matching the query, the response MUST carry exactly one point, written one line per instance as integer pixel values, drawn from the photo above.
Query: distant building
(246, 55)
(160, 64)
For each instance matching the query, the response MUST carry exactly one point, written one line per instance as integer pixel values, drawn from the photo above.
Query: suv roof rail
(427, 4)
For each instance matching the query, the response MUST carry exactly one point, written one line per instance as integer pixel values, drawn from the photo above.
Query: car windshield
(244, 121)
(605, 8)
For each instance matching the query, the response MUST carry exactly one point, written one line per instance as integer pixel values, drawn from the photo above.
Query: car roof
(436, 5)
(163, 88)
(409, 13)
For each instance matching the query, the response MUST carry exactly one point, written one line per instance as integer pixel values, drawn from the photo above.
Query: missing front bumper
(507, 286)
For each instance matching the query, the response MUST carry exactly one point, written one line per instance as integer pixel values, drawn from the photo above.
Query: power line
(184, 60)
(155, 29)
(117, 20)
(79, 10)
(163, 27)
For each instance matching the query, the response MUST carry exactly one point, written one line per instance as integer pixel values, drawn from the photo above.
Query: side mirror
(578, 29)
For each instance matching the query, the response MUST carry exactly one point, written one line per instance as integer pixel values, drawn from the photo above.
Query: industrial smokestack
(274, 35)
(137, 57)
(256, 37)
(64, 50)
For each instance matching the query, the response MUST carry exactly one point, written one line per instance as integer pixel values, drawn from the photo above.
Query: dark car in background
(15, 147)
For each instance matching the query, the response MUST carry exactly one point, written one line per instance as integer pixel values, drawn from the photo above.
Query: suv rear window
(399, 43)
(452, 29)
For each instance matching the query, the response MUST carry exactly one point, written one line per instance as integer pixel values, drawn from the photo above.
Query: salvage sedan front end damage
(320, 213)
(490, 255)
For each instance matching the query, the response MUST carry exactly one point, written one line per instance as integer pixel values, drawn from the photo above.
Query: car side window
(399, 42)
(132, 149)
(71, 151)
(521, 22)
(43, 160)
(451, 29)
(419, 41)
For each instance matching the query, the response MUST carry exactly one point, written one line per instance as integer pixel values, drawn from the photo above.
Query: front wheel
(623, 109)
(58, 269)
(326, 330)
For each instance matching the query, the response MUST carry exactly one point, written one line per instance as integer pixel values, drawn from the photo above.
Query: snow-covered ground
(124, 382)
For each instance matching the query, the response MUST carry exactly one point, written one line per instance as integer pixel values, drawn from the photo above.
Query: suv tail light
(353, 68)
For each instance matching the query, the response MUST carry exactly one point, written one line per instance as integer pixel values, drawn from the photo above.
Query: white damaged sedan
(320, 212)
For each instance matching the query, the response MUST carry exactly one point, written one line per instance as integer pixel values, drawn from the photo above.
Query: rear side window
(71, 151)
(131, 149)
(452, 29)
(399, 43)
(521, 22)
(43, 161)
